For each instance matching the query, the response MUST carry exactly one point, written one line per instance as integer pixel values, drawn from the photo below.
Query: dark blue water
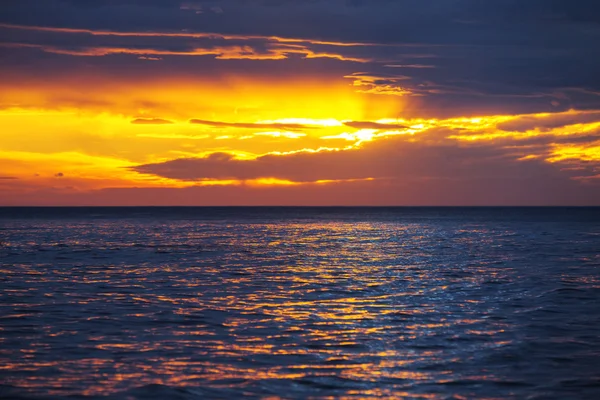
(194, 303)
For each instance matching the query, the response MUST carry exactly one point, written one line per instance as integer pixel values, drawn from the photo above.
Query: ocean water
(195, 303)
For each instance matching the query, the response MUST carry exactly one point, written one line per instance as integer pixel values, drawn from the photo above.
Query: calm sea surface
(194, 303)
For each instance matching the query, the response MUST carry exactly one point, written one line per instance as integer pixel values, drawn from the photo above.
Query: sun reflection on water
(363, 309)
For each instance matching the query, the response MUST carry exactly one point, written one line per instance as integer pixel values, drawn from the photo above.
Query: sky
(313, 102)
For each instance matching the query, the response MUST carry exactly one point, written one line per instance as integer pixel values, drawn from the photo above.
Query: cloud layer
(437, 154)
(535, 55)
(305, 102)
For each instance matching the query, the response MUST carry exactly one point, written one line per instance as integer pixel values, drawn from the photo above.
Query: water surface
(193, 303)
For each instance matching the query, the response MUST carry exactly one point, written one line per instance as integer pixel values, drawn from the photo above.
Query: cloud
(287, 135)
(545, 141)
(358, 61)
(393, 158)
(379, 193)
(386, 84)
(374, 125)
(8, 178)
(550, 121)
(59, 175)
(191, 6)
(252, 125)
(185, 35)
(477, 58)
(151, 121)
(421, 66)
(172, 136)
(87, 42)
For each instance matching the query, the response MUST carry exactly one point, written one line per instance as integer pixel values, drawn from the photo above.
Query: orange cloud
(195, 35)
(548, 121)
(379, 84)
(225, 47)
(391, 157)
(151, 121)
(373, 125)
(252, 125)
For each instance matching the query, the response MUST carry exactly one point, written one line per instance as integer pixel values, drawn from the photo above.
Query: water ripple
(312, 306)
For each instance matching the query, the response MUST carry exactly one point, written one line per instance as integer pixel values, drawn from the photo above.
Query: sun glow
(77, 142)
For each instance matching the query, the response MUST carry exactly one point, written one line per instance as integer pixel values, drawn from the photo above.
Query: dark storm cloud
(496, 54)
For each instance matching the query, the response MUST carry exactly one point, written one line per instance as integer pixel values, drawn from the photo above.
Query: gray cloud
(418, 66)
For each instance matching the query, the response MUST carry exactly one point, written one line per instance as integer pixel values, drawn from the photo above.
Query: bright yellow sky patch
(95, 137)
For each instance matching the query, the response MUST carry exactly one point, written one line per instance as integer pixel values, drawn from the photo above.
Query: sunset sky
(316, 102)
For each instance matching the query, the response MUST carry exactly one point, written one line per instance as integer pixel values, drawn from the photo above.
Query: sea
(299, 303)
